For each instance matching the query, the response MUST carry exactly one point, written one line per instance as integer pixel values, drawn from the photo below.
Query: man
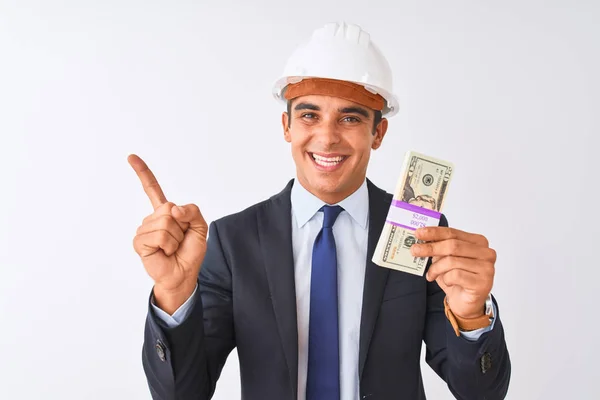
(289, 282)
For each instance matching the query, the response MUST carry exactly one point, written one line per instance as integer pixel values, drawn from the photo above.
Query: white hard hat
(344, 52)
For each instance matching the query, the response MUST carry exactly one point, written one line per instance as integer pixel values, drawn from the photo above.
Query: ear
(380, 132)
(285, 123)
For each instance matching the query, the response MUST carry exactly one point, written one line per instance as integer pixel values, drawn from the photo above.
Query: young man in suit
(289, 282)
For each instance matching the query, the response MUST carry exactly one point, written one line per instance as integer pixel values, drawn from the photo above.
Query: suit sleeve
(478, 369)
(185, 361)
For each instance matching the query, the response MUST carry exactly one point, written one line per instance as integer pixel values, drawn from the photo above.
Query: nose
(327, 133)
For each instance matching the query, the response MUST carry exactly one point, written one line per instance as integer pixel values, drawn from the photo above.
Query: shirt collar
(305, 204)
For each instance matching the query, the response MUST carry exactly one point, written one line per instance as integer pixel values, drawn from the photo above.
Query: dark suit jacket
(246, 299)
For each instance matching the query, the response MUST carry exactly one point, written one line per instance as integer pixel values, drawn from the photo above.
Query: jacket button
(160, 350)
(486, 362)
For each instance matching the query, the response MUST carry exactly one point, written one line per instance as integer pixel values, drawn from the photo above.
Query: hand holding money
(462, 265)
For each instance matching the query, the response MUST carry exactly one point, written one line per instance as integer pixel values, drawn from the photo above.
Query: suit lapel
(275, 236)
(375, 276)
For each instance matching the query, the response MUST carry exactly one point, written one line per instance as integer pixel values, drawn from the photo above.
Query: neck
(332, 197)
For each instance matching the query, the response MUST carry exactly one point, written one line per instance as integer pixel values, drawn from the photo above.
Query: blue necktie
(323, 375)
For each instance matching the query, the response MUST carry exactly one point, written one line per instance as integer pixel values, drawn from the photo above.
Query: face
(331, 140)
(424, 201)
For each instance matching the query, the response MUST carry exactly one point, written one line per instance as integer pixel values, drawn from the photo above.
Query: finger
(442, 285)
(447, 264)
(163, 223)
(193, 247)
(459, 277)
(165, 209)
(191, 214)
(149, 182)
(439, 233)
(147, 244)
(453, 247)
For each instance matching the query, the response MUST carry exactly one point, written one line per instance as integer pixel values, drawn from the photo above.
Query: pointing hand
(171, 242)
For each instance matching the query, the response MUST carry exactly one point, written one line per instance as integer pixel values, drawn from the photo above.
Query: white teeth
(327, 161)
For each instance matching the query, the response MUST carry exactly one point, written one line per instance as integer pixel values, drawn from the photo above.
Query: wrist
(472, 321)
(476, 311)
(170, 299)
(471, 315)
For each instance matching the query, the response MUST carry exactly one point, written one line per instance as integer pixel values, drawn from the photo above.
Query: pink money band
(409, 216)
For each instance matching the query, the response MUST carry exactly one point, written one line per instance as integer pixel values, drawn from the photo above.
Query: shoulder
(248, 217)
(376, 194)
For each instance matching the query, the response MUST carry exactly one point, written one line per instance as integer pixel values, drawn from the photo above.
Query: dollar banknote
(418, 201)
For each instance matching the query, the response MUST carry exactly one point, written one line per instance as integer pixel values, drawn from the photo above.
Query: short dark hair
(376, 118)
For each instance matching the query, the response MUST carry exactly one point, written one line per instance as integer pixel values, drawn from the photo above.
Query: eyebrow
(345, 110)
(307, 106)
(354, 110)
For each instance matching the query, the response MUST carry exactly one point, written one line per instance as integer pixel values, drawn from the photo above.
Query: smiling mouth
(329, 162)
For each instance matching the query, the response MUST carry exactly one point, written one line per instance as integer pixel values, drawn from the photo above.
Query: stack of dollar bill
(417, 202)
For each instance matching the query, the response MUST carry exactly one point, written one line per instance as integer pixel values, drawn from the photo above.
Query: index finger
(149, 182)
(439, 233)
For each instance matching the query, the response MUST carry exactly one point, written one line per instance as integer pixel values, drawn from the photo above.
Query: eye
(350, 119)
(308, 115)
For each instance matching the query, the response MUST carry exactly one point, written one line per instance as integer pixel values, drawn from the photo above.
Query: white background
(508, 91)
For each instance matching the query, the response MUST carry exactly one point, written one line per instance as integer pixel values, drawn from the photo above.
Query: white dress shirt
(350, 231)
(351, 234)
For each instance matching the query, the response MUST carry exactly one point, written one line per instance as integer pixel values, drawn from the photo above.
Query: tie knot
(330, 215)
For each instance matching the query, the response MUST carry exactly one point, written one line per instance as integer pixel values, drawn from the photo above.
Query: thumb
(191, 214)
